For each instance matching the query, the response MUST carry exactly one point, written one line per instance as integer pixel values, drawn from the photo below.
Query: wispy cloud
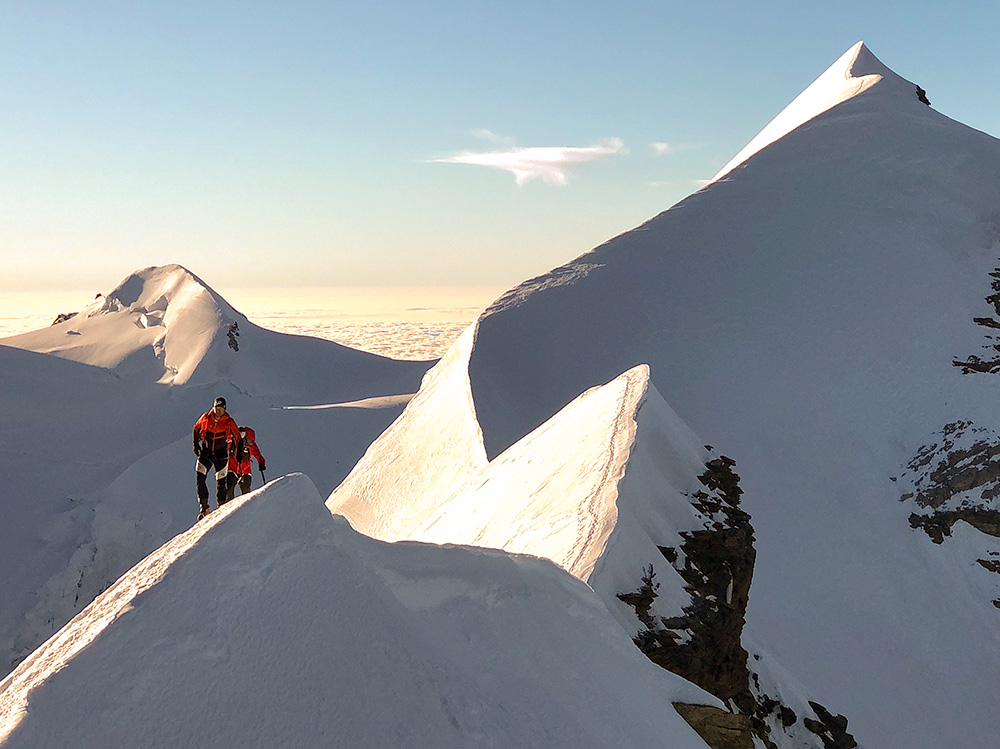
(665, 149)
(551, 164)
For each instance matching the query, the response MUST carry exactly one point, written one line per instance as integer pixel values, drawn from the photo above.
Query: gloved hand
(262, 465)
(200, 446)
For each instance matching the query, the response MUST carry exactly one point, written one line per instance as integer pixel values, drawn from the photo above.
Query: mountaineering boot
(204, 512)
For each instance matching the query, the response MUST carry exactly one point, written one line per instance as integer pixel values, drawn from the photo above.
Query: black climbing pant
(243, 482)
(219, 462)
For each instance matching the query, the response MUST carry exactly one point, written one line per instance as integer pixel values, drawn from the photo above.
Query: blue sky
(315, 144)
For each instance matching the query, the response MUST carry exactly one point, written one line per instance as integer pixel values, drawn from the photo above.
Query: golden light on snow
(403, 323)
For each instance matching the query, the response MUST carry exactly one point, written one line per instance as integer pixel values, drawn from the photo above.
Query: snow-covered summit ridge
(594, 489)
(159, 318)
(857, 71)
(255, 628)
(807, 312)
(165, 325)
(152, 290)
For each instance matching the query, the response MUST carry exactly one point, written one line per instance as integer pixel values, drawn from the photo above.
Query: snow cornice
(856, 71)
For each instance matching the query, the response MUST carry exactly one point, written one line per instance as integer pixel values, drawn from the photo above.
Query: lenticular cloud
(549, 163)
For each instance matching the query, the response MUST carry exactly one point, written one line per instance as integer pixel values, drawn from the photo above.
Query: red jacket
(239, 462)
(221, 433)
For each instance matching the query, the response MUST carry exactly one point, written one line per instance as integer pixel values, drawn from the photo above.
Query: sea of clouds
(415, 324)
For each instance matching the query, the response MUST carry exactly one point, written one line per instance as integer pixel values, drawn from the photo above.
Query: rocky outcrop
(955, 477)
(964, 459)
(63, 317)
(990, 364)
(704, 645)
(938, 525)
(832, 729)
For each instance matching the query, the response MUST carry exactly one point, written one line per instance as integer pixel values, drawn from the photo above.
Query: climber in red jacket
(240, 467)
(216, 436)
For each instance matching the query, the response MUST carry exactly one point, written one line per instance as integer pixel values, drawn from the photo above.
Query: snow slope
(96, 454)
(856, 71)
(804, 312)
(554, 494)
(166, 324)
(817, 311)
(611, 486)
(274, 624)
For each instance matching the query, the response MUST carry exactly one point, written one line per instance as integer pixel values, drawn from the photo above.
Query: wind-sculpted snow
(389, 492)
(163, 319)
(166, 324)
(611, 487)
(553, 493)
(817, 310)
(95, 443)
(556, 493)
(274, 624)
(805, 311)
(857, 70)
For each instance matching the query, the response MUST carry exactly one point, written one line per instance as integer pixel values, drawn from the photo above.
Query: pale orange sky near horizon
(405, 143)
(377, 302)
(30, 310)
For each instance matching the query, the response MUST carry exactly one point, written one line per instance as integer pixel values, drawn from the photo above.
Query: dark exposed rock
(642, 599)
(975, 364)
(991, 564)
(832, 729)
(938, 525)
(787, 716)
(986, 322)
(967, 458)
(63, 317)
(719, 729)
(704, 644)
(961, 471)
(990, 365)
(669, 553)
(956, 478)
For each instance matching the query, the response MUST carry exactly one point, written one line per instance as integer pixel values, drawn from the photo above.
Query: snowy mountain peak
(151, 290)
(160, 321)
(813, 312)
(165, 325)
(855, 72)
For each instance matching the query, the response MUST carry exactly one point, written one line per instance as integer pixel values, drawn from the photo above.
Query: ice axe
(262, 476)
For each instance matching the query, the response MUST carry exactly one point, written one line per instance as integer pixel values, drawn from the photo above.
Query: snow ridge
(805, 311)
(855, 72)
(96, 413)
(159, 320)
(274, 624)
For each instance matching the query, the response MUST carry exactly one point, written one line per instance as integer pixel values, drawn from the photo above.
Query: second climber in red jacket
(240, 467)
(216, 436)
